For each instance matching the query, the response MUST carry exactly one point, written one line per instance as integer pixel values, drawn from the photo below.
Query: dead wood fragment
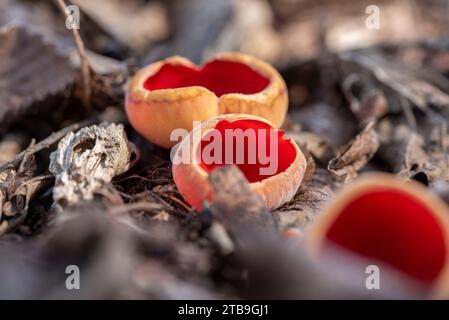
(235, 205)
(355, 154)
(87, 160)
(257, 249)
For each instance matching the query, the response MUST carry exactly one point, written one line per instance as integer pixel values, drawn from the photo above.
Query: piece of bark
(355, 154)
(234, 204)
(87, 160)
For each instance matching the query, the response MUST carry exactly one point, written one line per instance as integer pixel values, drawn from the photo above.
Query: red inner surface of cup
(219, 76)
(393, 227)
(251, 141)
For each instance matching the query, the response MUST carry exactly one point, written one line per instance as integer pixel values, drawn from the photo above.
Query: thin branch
(86, 70)
(136, 206)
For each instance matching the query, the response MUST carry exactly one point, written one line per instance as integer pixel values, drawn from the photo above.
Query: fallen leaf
(355, 154)
(31, 70)
(399, 78)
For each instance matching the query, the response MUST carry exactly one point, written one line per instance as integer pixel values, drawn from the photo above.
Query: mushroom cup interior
(257, 149)
(395, 228)
(219, 76)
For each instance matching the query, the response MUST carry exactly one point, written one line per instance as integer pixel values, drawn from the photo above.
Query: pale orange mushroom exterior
(192, 180)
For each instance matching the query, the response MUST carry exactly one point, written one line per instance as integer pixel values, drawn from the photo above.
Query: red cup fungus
(272, 163)
(399, 224)
(173, 93)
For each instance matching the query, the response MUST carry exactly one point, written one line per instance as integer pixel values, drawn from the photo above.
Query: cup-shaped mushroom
(386, 221)
(173, 93)
(272, 163)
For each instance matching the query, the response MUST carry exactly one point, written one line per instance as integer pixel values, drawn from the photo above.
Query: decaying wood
(88, 159)
(234, 203)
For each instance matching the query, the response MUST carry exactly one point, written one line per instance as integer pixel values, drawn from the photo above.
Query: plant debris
(355, 154)
(87, 160)
(23, 56)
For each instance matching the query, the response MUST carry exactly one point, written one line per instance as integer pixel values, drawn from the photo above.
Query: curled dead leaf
(355, 154)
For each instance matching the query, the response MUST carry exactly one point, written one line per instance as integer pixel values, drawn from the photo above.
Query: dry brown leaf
(398, 77)
(355, 154)
(31, 69)
(411, 154)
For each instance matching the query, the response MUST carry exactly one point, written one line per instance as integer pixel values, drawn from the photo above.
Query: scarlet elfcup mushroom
(173, 93)
(273, 164)
(386, 220)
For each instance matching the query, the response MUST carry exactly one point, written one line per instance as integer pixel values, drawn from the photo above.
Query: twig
(86, 70)
(406, 108)
(136, 206)
(46, 143)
